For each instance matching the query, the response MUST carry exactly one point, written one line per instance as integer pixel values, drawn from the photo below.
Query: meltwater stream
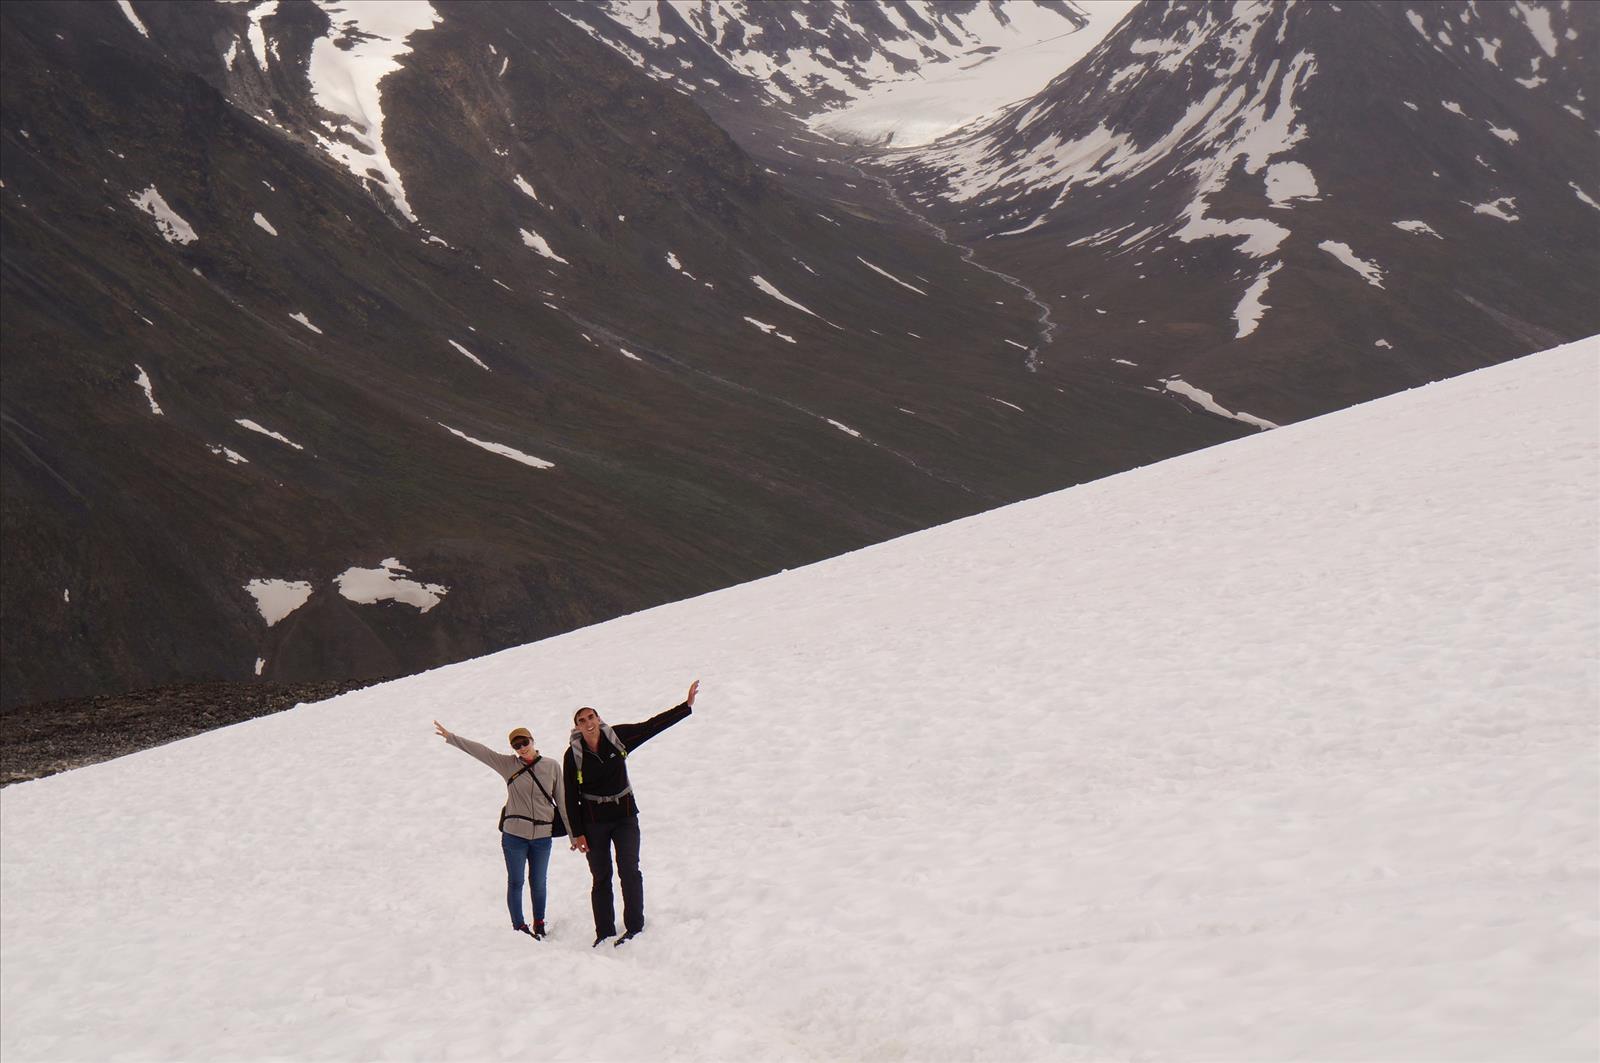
(1047, 325)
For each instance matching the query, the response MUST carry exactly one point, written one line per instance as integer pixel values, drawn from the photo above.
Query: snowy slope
(1283, 749)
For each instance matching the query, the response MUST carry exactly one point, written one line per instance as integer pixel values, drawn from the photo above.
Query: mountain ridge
(1400, 158)
(236, 368)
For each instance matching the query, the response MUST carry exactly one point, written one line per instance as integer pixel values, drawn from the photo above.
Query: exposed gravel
(42, 739)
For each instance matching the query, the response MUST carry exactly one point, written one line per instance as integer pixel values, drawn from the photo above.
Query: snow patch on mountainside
(1247, 315)
(891, 276)
(1207, 402)
(233, 456)
(1290, 181)
(1369, 271)
(246, 423)
(347, 69)
(841, 426)
(257, 34)
(767, 287)
(143, 380)
(389, 582)
(538, 243)
(1257, 132)
(1418, 227)
(133, 17)
(1503, 208)
(1538, 23)
(771, 330)
(172, 227)
(277, 598)
(501, 449)
(468, 354)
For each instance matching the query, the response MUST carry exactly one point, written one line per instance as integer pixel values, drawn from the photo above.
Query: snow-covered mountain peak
(1210, 84)
(1279, 152)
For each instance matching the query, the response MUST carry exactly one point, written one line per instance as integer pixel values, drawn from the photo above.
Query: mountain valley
(344, 341)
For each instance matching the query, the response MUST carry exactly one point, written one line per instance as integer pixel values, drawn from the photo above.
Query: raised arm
(498, 761)
(634, 735)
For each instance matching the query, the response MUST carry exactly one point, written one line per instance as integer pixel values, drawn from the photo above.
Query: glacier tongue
(1007, 63)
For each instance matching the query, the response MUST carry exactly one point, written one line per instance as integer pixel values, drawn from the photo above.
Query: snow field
(1283, 749)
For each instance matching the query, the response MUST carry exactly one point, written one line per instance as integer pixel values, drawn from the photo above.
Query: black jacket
(605, 772)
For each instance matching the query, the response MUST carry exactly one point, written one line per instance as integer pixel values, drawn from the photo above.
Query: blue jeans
(534, 856)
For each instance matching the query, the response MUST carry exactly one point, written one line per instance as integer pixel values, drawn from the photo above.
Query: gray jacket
(528, 813)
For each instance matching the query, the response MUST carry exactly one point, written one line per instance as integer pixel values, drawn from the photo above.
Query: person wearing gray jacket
(535, 811)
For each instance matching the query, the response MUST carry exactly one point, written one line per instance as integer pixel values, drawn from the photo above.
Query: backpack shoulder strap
(555, 809)
(514, 777)
(535, 777)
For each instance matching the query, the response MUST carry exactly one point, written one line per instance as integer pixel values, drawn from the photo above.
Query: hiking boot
(522, 928)
(538, 930)
(599, 938)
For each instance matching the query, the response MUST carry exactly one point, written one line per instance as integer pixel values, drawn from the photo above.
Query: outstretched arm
(498, 761)
(634, 735)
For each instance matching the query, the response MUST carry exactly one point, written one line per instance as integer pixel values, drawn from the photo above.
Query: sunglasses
(520, 743)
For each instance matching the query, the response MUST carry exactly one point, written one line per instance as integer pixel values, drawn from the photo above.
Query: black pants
(624, 834)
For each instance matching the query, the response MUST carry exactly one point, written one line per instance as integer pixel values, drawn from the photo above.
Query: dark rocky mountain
(763, 71)
(1295, 207)
(344, 341)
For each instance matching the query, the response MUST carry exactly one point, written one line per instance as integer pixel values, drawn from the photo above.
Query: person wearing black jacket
(604, 813)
